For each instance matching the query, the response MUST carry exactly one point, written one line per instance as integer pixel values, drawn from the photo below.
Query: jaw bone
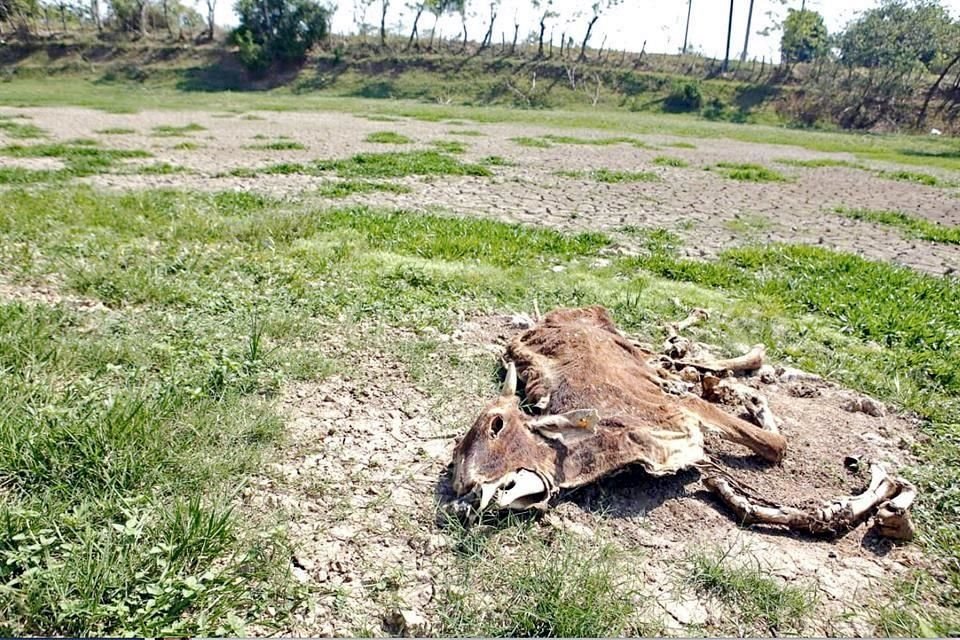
(516, 487)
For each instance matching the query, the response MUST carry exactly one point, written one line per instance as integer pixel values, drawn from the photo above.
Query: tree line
(859, 76)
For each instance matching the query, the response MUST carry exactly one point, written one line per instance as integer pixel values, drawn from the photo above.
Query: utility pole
(726, 56)
(686, 31)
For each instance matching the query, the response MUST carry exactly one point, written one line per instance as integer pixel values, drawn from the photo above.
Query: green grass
(396, 165)
(600, 142)
(914, 177)
(748, 223)
(20, 130)
(186, 146)
(169, 130)
(681, 145)
(820, 163)
(344, 188)
(758, 604)
(914, 227)
(613, 177)
(116, 131)
(278, 145)
(161, 169)
(497, 161)
(748, 172)
(666, 161)
(79, 160)
(565, 589)
(450, 146)
(535, 143)
(388, 137)
(466, 132)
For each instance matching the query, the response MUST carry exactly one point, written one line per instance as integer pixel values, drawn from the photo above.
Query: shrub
(685, 96)
(278, 31)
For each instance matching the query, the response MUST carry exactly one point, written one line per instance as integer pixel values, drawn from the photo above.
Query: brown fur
(577, 359)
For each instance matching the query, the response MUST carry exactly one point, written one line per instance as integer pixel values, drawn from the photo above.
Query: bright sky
(658, 22)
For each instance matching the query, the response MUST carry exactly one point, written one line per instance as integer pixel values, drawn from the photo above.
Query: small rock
(789, 374)
(409, 623)
(767, 374)
(521, 321)
(557, 268)
(865, 405)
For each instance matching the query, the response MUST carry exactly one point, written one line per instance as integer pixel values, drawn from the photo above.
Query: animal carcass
(594, 402)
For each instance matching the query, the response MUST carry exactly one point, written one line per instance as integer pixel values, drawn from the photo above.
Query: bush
(685, 96)
(278, 31)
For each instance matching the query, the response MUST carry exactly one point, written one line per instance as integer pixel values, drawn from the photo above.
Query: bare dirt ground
(360, 474)
(710, 211)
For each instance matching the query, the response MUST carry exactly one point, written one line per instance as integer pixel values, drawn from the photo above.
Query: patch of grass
(565, 589)
(20, 130)
(760, 604)
(612, 177)
(602, 142)
(681, 145)
(914, 227)
(396, 165)
(116, 131)
(466, 132)
(749, 172)
(186, 146)
(251, 116)
(497, 161)
(536, 143)
(161, 169)
(344, 188)
(666, 161)
(819, 163)
(278, 145)
(388, 137)
(748, 223)
(450, 146)
(82, 142)
(79, 160)
(169, 130)
(914, 177)
(379, 117)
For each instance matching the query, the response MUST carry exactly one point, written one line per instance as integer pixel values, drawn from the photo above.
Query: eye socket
(496, 426)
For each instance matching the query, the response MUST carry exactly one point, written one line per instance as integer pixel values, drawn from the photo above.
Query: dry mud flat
(366, 468)
(710, 211)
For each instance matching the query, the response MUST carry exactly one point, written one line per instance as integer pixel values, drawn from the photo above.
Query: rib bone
(727, 391)
(833, 517)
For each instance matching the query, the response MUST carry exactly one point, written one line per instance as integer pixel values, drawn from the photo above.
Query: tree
(418, 8)
(211, 10)
(726, 56)
(548, 14)
(805, 36)
(898, 34)
(384, 5)
(746, 39)
(278, 30)
(596, 9)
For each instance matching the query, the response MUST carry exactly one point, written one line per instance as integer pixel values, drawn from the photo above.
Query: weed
(747, 223)
(186, 146)
(388, 137)
(536, 143)
(761, 604)
(612, 177)
(749, 172)
(819, 163)
(278, 145)
(161, 169)
(917, 178)
(466, 132)
(116, 131)
(681, 145)
(344, 188)
(450, 146)
(666, 161)
(169, 130)
(395, 165)
(497, 161)
(19, 130)
(914, 227)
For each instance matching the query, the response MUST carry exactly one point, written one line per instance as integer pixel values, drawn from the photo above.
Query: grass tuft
(19, 130)
(396, 165)
(914, 177)
(758, 603)
(278, 145)
(450, 146)
(344, 188)
(116, 131)
(388, 137)
(666, 161)
(535, 143)
(817, 163)
(169, 130)
(749, 172)
(613, 177)
(914, 227)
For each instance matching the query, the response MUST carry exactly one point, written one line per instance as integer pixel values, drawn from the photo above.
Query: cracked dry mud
(709, 211)
(358, 480)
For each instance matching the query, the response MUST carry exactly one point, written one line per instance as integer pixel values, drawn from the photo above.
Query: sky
(659, 23)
